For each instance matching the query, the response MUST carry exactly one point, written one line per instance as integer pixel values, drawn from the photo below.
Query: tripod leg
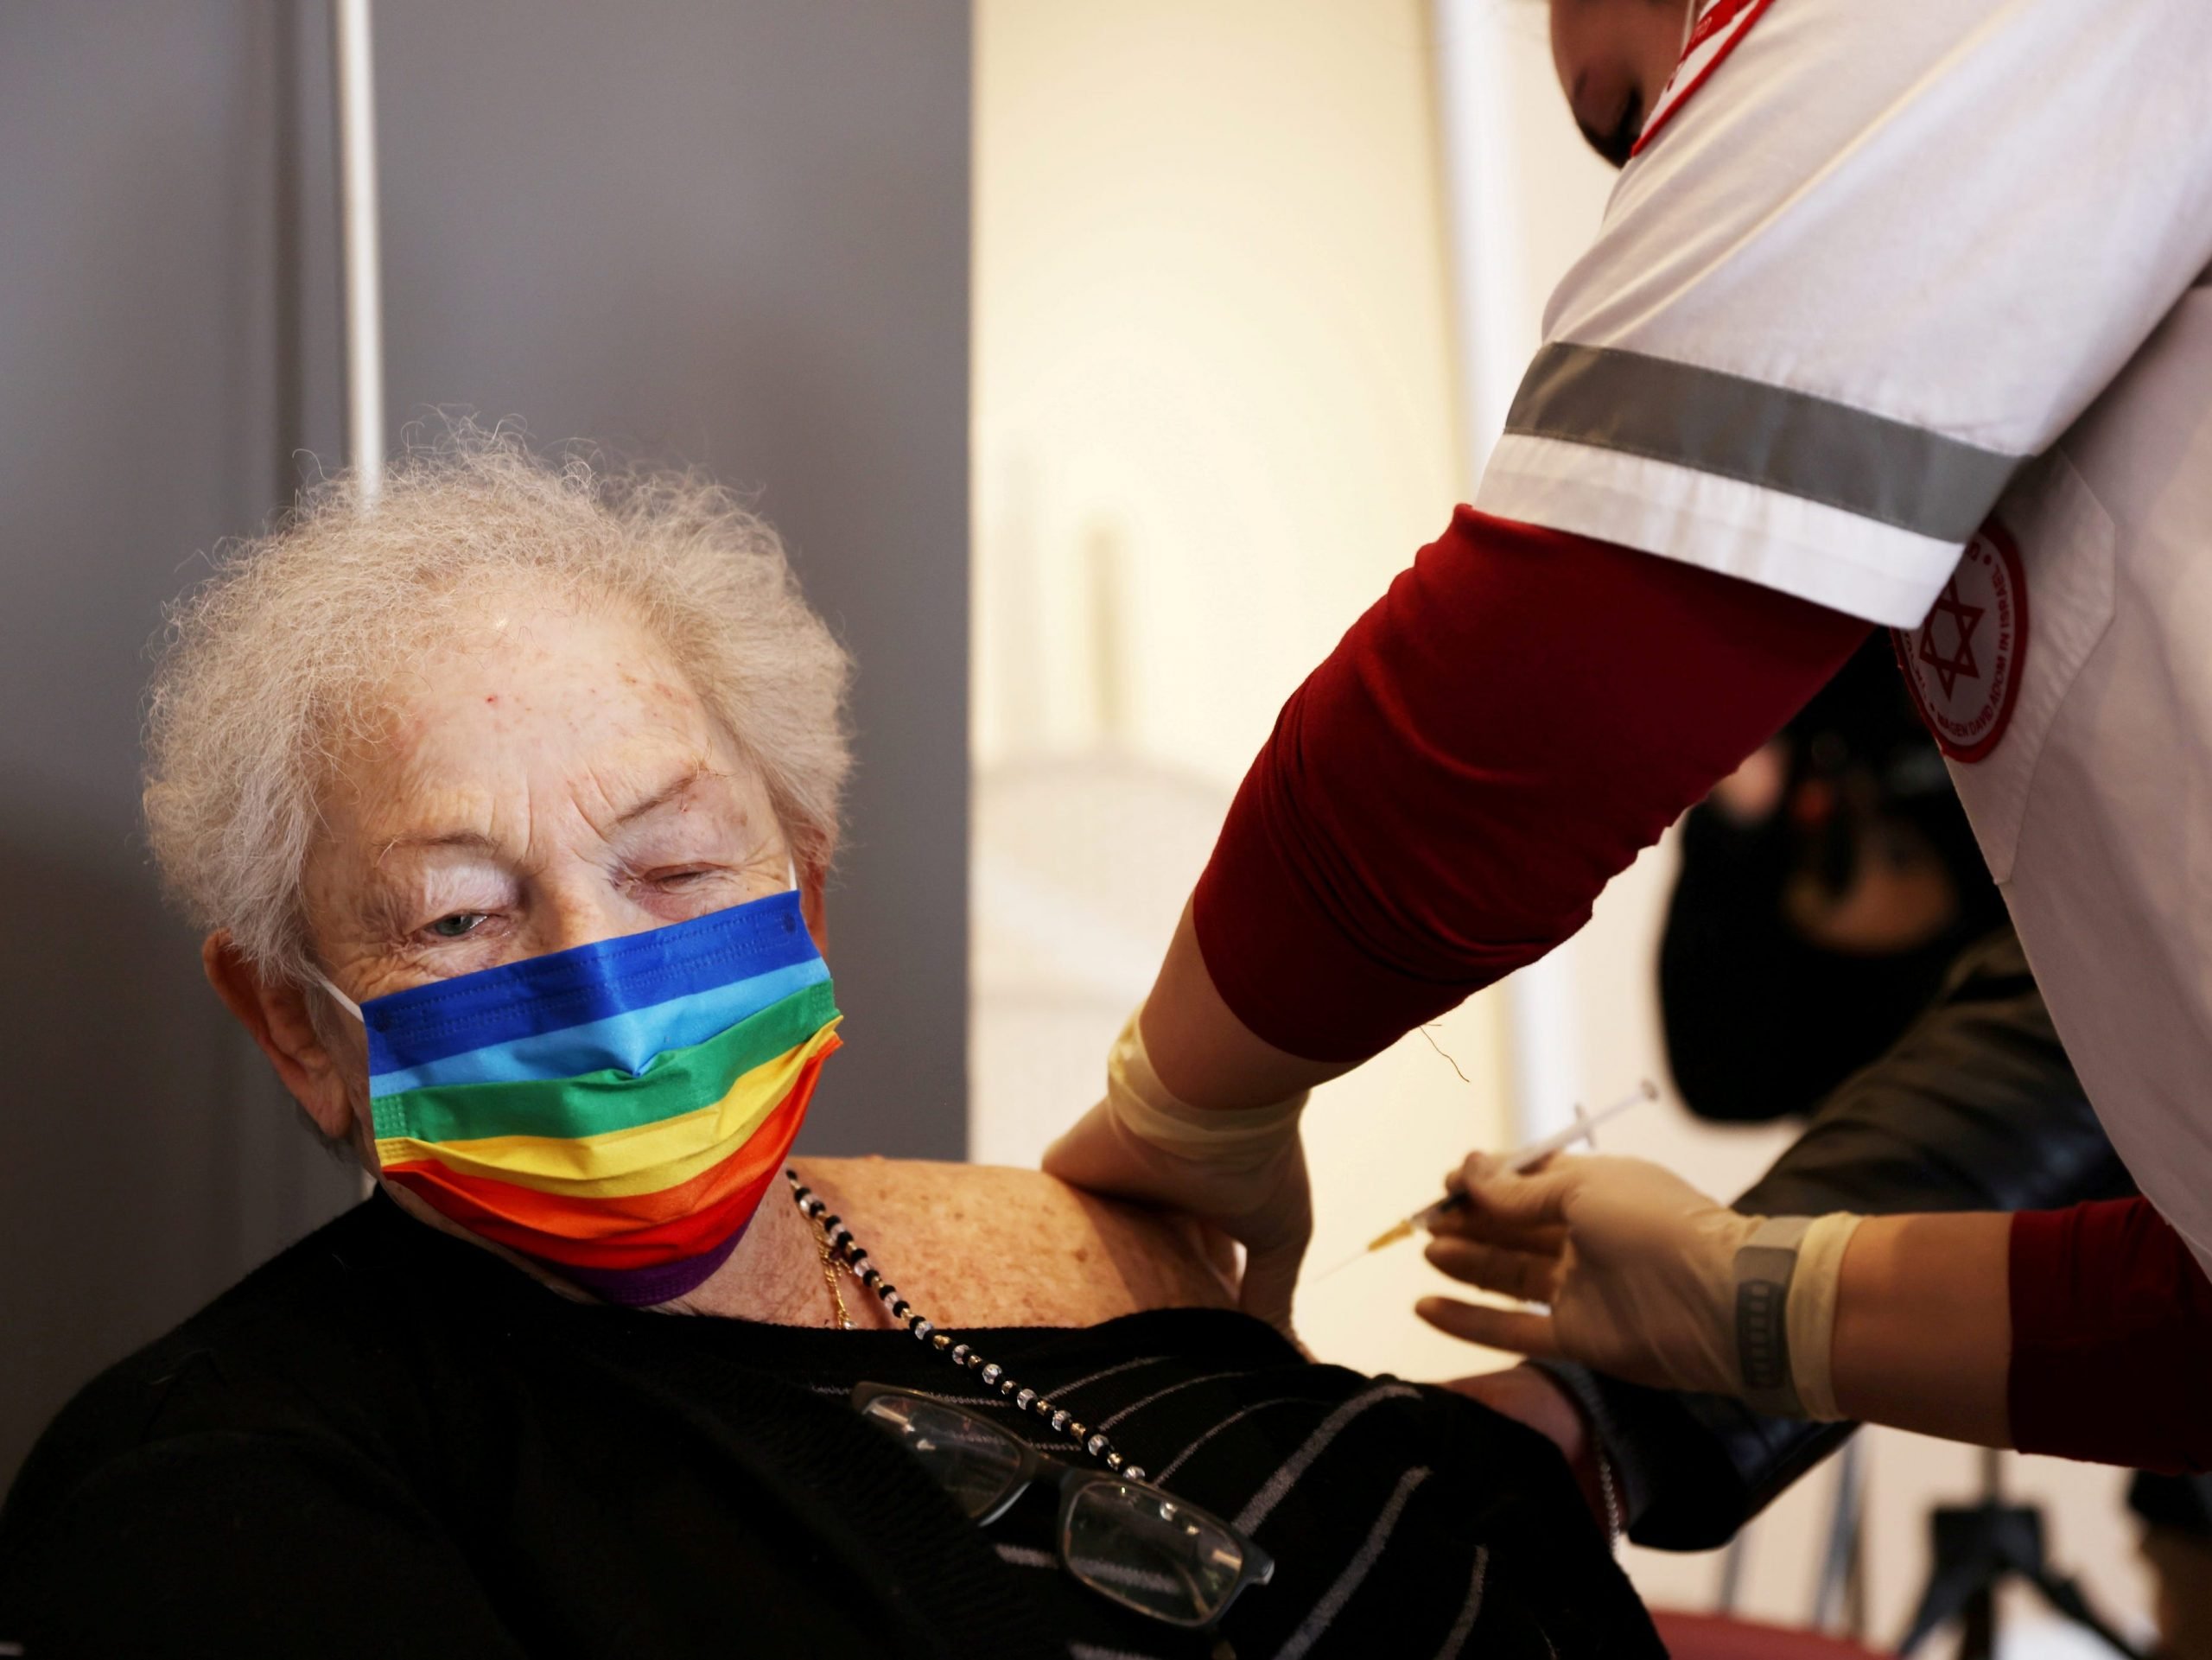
(1830, 1595)
(1978, 1624)
(1732, 1573)
(2065, 1595)
(1964, 1564)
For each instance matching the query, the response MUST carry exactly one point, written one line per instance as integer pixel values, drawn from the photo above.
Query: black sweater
(388, 1442)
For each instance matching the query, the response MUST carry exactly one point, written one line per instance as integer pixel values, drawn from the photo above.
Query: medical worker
(1900, 317)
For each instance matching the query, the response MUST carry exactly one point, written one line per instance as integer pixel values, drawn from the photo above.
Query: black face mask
(1760, 1023)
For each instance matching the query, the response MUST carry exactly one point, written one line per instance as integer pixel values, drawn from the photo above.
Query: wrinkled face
(1613, 58)
(547, 779)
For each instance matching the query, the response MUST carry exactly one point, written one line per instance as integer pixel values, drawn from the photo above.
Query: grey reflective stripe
(1780, 440)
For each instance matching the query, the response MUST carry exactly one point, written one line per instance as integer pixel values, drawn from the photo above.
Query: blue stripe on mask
(625, 1042)
(592, 986)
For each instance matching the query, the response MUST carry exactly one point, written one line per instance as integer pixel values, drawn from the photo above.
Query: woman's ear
(812, 879)
(278, 1018)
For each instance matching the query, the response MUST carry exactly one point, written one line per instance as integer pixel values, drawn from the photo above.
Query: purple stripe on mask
(639, 1287)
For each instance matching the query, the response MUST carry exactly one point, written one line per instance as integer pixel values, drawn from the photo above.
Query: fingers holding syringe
(1548, 1238)
(1525, 1208)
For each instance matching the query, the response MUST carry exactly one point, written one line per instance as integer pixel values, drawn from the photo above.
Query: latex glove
(1637, 1265)
(1240, 1170)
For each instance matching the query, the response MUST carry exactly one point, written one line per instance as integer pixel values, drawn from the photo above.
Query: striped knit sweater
(388, 1442)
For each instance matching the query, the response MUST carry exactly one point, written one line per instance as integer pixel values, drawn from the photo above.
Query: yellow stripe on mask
(643, 1158)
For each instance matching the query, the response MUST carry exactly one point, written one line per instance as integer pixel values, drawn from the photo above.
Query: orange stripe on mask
(639, 1231)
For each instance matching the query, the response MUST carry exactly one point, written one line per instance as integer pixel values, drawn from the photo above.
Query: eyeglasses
(1129, 1541)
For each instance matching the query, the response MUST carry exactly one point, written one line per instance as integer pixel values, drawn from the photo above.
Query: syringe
(1524, 1158)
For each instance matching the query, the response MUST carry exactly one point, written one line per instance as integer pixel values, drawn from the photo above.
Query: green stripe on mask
(681, 1081)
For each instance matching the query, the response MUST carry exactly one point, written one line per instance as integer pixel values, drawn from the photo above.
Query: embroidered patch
(1719, 26)
(1963, 665)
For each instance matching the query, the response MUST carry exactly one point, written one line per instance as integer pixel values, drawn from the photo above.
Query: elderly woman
(507, 806)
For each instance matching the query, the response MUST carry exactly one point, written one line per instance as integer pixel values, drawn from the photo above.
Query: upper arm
(1888, 250)
(987, 1245)
(1160, 1259)
(221, 1542)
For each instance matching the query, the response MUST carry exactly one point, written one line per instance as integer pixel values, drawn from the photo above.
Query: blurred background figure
(1829, 893)
(1825, 891)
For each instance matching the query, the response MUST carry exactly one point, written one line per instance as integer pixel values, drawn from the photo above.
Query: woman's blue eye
(459, 926)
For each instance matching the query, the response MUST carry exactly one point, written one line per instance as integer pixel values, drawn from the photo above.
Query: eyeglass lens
(1140, 1548)
(1133, 1543)
(971, 1460)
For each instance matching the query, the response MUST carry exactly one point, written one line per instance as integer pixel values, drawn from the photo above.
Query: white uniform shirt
(1891, 279)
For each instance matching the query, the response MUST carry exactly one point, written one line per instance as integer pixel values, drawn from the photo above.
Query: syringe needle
(1520, 1158)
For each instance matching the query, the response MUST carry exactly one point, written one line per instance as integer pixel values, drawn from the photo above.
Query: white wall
(1214, 384)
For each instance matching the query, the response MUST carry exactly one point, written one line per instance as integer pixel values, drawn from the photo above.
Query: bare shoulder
(986, 1245)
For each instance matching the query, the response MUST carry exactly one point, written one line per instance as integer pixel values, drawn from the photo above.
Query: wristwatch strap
(1765, 1264)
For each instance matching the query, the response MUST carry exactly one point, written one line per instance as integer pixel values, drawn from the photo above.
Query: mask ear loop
(338, 996)
(370, 1179)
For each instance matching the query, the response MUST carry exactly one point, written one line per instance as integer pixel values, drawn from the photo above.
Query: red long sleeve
(1520, 714)
(2112, 1339)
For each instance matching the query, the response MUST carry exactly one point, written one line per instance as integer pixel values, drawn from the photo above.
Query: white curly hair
(267, 669)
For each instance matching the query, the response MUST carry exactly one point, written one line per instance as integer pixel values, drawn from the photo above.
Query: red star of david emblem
(1965, 619)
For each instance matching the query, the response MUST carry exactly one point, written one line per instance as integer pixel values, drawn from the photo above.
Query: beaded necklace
(989, 1375)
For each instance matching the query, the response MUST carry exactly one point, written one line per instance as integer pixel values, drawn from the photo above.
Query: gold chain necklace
(831, 1262)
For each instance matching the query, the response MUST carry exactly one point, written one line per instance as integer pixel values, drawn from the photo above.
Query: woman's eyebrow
(698, 773)
(475, 840)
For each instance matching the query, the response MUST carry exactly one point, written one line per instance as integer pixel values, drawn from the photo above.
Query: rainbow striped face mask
(615, 1112)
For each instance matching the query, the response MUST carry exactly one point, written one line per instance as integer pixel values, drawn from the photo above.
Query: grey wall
(731, 233)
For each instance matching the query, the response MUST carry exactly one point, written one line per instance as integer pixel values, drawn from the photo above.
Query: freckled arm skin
(983, 1245)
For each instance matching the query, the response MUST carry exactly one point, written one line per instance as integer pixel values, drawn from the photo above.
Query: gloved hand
(1240, 1170)
(1639, 1268)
